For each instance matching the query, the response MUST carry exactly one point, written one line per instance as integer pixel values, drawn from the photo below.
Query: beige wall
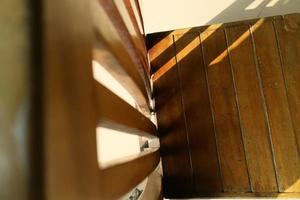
(163, 15)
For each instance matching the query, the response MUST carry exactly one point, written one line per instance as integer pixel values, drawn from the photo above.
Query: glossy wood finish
(113, 112)
(255, 126)
(281, 125)
(200, 134)
(177, 182)
(123, 25)
(227, 124)
(113, 38)
(287, 34)
(236, 106)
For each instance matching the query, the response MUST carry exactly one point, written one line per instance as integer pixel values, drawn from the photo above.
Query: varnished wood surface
(236, 89)
(228, 132)
(174, 146)
(123, 26)
(255, 126)
(110, 46)
(281, 126)
(115, 113)
(288, 39)
(202, 145)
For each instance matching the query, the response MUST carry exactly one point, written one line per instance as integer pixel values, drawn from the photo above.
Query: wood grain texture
(177, 179)
(199, 122)
(227, 124)
(115, 113)
(253, 121)
(245, 101)
(69, 120)
(283, 136)
(288, 30)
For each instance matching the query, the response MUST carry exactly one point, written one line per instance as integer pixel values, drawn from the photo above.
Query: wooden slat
(116, 19)
(69, 117)
(139, 12)
(116, 181)
(127, 15)
(177, 179)
(199, 122)
(283, 136)
(127, 72)
(115, 113)
(254, 124)
(288, 36)
(227, 124)
(132, 10)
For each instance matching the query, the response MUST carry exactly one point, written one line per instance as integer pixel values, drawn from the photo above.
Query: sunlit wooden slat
(116, 19)
(115, 113)
(118, 180)
(120, 67)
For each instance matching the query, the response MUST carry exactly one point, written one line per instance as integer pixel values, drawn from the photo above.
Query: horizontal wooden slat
(125, 9)
(118, 23)
(115, 113)
(120, 179)
(109, 61)
(108, 37)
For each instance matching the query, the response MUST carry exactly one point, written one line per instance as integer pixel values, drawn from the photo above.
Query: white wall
(163, 15)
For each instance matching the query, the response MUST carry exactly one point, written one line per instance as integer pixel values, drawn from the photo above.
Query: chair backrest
(58, 152)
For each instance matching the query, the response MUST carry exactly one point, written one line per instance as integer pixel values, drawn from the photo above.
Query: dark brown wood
(199, 122)
(69, 118)
(161, 53)
(252, 195)
(251, 108)
(289, 45)
(115, 113)
(252, 103)
(120, 179)
(177, 179)
(227, 124)
(283, 137)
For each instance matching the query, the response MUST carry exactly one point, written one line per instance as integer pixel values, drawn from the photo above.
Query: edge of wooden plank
(246, 195)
